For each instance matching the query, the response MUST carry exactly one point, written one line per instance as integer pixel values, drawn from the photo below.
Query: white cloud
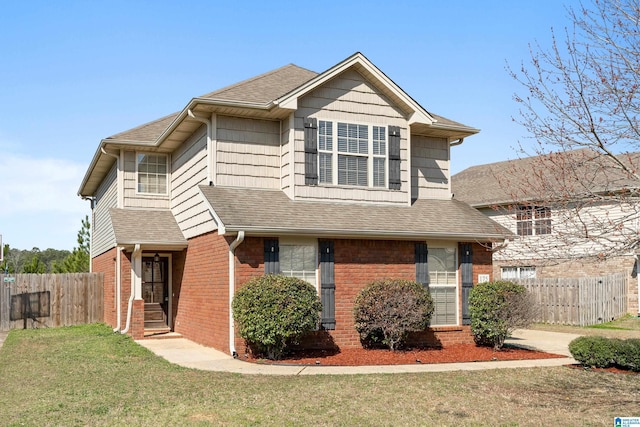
(39, 205)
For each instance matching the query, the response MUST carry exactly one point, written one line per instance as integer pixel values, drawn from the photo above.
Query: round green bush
(496, 310)
(628, 354)
(596, 352)
(273, 311)
(388, 309)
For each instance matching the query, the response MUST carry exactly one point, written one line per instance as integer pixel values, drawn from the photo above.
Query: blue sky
(74, 72)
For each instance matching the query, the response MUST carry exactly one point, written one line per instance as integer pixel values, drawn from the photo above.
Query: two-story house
(338, 178)
(572, 213)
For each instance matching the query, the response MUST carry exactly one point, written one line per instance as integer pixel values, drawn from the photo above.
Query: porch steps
(154, 319)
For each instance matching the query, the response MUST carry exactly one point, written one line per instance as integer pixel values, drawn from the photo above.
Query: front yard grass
(625, 327)
(88, 375)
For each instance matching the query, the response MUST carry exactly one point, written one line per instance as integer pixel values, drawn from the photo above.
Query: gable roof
(574, 173)
(272, 95)
(157, 228)
(261, 211)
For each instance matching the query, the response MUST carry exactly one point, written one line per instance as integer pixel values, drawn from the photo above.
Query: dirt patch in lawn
(364, 357)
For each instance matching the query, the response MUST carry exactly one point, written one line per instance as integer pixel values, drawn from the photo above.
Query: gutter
(458, 142)
(232, 285)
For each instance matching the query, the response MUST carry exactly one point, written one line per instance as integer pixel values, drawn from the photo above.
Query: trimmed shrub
(497, 309)
(273, 311)
(627, 354)
(387, 310)
(596, 352)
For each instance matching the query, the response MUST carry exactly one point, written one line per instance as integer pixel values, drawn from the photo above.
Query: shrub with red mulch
(450, 354)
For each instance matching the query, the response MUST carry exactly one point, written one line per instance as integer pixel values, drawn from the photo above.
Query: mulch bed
(363, 357)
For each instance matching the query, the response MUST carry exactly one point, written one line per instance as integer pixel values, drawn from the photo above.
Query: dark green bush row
(387, 310)
(600, 352)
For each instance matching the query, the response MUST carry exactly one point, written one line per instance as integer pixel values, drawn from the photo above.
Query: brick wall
(105, 263)
(201, 289)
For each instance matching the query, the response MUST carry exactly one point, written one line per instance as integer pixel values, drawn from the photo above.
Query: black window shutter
(327, 285)
(311, 151)
(394, 158)
(466, 267)
(271, 256)
(422, 265)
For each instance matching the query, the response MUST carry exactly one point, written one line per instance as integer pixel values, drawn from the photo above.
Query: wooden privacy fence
(50, 300)
(579, 301)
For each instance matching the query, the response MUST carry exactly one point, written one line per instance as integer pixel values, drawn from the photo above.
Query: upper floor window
(152, 173)
(352, 154)
(533, 220)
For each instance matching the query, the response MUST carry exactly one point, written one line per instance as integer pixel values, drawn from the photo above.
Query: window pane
(379, 179)
(444, 298)
(325, 136)
(324, 162)
(379, 141)
(299, 261)
(352, 170)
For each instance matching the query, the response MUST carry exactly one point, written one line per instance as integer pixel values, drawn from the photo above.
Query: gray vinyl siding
(188, 170)
(132, 199)
(350, 98)
(429, 168)
(102, 236)
(248, 152)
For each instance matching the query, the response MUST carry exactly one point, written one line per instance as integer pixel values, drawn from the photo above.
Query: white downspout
(232, 285)
(118, 289)
(135, 258)
(210, 180)
(638, 278)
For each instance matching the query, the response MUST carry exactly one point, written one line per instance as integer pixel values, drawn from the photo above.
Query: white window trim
(167, 177)
(457, 283)
(370, 156)
(304, 241)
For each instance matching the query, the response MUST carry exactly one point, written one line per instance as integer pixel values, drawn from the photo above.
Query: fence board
(579, 301)
(75, 298)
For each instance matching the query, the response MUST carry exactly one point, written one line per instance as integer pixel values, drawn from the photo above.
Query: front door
(155, 292)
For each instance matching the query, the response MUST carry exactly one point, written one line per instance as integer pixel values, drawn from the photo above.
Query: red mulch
(449, 354)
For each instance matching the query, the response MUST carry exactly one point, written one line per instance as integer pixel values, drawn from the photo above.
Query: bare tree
(580, 106)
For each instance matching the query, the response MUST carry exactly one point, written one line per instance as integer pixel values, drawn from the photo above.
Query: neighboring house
(338, 178)
(573, 214)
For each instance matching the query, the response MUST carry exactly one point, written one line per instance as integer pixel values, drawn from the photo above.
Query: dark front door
(155, 291)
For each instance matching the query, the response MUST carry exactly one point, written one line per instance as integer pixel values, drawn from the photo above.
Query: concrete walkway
(184, 352)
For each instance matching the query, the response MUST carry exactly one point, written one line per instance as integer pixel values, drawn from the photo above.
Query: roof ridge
(254, 78)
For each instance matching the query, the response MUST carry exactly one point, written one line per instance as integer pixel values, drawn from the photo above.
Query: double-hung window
(299, 259)
(152, 173)
(352, 154)
(443, 285)
(533, 220)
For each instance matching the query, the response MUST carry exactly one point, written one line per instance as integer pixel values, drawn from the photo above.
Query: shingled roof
(146, 227)
(575, 173)
(271, 211)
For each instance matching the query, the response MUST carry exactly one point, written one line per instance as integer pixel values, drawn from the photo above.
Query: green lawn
(90, 376)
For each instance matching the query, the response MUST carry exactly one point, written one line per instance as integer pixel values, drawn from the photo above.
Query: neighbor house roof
(146, 227)
(261, 211)
(271, 95)
(567, 174)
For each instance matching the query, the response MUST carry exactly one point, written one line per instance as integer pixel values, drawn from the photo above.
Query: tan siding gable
(350, 98)
(248, 152)
(102, 236)
(189, 169)
(429, 168)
